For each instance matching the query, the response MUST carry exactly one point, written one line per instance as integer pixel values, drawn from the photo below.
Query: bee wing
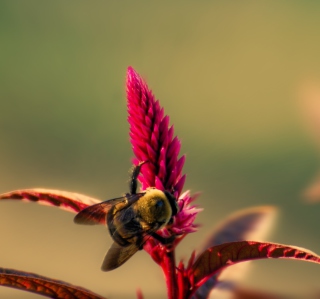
(118, 255)
(96, 214)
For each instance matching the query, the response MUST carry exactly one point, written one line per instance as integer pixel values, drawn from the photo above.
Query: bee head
(157, 207)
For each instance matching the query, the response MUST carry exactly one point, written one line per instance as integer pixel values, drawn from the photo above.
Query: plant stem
(169, 269)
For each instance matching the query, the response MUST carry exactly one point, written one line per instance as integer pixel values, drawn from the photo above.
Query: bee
(131, 220)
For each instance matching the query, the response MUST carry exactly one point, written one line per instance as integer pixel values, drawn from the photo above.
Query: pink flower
(152, 140)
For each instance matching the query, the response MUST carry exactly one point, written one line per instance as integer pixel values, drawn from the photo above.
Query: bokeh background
(229, 74)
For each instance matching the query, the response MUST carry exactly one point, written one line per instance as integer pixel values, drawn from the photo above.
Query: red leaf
(243, 293)
(216, 258)
(246, 224)
(43, 286)
(69, 201)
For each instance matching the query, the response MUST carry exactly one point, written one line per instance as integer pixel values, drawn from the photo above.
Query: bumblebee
(131, 220)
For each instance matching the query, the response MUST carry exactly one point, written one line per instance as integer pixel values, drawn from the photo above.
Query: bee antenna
(134, 177)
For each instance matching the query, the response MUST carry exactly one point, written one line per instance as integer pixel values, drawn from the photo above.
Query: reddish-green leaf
(245, 293)
(43, 286)
(218, 257)
(69, 201)
(247, 224)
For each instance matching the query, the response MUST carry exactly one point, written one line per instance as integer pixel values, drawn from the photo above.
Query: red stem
(169, 269)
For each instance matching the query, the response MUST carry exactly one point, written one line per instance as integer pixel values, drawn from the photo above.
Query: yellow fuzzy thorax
(154, 207)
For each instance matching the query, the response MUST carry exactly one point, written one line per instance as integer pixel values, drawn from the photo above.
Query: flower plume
(153, 140)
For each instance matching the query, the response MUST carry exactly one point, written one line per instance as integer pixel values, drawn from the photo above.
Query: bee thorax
(154, 208)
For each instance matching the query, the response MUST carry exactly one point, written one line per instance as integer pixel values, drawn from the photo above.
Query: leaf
(251, 223)
(247, 224)
(68, 201)
(244, 293)
(216, 258)
(43, 286)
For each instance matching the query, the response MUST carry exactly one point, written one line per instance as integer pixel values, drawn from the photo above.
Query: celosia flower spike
(152, 138)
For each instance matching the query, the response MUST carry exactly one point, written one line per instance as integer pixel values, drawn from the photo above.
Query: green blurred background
(227, 73)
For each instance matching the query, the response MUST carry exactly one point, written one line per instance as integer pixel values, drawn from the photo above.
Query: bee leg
(163, 240)
(139, 242)
(170, 221)
(134, 176)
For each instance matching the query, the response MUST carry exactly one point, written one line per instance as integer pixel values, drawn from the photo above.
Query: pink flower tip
(152, 138)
